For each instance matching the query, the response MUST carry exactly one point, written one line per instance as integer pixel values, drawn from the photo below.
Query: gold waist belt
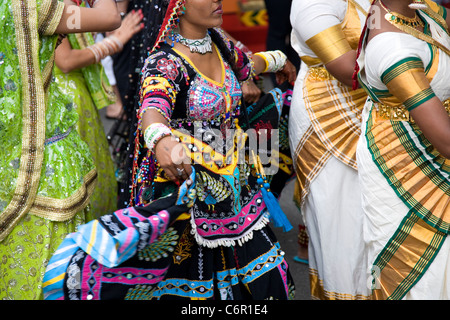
(399, 112)
(319, 73)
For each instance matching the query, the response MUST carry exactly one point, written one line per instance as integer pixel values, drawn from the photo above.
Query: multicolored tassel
(277, 216)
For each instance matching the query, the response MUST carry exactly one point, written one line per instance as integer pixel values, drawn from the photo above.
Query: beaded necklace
(397, 18)
(201, 46)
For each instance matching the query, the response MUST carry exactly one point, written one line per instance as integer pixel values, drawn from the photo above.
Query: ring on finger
(180, 171)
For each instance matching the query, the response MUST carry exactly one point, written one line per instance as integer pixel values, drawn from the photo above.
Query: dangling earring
(418, 5)
(181, 8)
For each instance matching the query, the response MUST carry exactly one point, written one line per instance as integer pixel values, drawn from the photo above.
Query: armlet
(329, 44)
(406, 80)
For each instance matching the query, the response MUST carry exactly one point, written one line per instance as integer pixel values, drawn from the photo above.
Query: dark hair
(223, 47)
(139, 48)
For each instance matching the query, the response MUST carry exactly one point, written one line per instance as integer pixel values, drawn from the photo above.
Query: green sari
(91, 91)
(47, 174)
(97, 82)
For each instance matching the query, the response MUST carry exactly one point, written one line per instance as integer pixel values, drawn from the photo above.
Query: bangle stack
(107, 47)
(275, 60)
(154, 133)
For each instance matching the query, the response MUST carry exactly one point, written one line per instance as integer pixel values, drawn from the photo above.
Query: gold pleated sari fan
(333, 108)
(414, 169)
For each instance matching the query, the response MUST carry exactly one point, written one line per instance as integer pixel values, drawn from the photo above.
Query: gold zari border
(49, 16)
(311, 156)
(335, 113)
(318, 291)
(416, 83)
(33, 115)
(403, 262)
(409, 173)
(436, 13)
(65, 209)
(33, 103)
(391, 108)
(412, 248)
(352, 23)
(47, 72)
(350, 30)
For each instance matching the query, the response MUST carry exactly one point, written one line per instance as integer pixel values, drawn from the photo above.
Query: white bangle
(155, 132)
(275, 60)
(117, 41)
(281, 60)
(96, 54)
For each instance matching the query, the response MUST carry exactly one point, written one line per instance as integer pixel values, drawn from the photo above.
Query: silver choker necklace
(197, 45)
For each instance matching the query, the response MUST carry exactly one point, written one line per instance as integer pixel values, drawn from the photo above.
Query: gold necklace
(397, 18)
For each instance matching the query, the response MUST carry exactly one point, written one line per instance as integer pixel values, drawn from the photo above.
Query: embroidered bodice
(204, 113)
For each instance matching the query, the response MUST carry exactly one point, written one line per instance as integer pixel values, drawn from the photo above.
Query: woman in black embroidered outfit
(206, 206)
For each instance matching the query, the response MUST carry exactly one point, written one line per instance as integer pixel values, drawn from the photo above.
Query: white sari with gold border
(406, 201)
(324, 128)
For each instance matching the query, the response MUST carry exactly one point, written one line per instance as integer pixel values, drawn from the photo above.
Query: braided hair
(139, 47)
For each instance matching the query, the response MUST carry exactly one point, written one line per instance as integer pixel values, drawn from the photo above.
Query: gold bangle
(265, 60)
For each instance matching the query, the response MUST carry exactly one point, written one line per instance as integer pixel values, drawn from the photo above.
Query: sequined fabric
(44, 188)
(90, 128)
(219, 247)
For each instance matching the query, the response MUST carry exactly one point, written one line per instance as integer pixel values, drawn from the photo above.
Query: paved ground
(288, 240)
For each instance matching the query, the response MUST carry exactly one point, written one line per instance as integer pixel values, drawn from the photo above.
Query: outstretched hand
(131, 25)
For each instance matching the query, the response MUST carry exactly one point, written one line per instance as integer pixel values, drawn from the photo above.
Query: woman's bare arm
(434, 122)
(68, 59)
(104, 16)
(343, 67)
